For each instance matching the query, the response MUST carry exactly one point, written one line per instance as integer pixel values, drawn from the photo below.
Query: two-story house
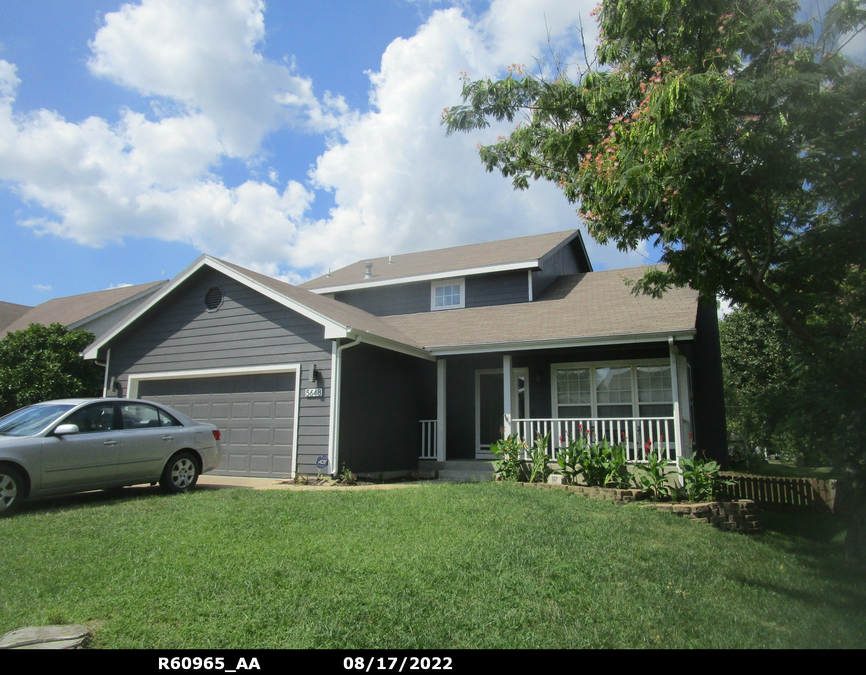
(423, 358)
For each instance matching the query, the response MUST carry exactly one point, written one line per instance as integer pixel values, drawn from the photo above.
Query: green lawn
(433, 566)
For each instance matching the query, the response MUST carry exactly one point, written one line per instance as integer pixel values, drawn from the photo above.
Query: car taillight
(216, 434)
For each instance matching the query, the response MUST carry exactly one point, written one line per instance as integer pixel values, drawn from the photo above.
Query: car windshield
(28, 421)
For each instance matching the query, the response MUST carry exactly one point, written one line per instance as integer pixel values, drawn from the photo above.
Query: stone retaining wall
(740, 516)
(611, 494)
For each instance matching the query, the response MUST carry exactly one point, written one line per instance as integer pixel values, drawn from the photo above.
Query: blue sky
(288, 137)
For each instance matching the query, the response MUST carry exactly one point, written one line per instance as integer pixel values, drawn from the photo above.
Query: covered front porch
(637, 395)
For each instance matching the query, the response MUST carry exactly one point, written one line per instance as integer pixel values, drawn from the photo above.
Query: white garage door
(255, 415)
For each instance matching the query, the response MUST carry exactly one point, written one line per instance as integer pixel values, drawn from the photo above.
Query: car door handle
(110, 443)
(168, 438)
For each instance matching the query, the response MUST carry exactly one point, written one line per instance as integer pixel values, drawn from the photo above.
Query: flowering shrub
(653, 477)
(509, 451)
(539, 462)
(600, 464)
(701, 481)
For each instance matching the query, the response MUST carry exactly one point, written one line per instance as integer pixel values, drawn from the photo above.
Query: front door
(490, 406)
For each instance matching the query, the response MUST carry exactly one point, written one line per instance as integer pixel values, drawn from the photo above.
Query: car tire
(12, 490)
(180, 474)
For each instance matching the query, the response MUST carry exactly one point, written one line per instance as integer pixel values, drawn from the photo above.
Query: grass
(433, 566)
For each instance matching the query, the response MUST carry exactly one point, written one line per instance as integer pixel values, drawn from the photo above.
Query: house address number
(313, 393)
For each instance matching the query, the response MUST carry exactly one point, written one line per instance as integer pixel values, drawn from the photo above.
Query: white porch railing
(428, 439)
(640, 435)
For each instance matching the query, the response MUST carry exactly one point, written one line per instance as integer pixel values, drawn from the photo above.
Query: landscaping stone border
(739, 516)
(611, 494)
(735, 516)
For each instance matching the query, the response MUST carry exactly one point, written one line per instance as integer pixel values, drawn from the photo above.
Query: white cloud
(398, 182)
(203, 53)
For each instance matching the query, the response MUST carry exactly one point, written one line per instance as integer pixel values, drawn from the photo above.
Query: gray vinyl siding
(414, 298)
(248, 330)
(560, 262)
(384, 396)
(389, 300)
(502, 288)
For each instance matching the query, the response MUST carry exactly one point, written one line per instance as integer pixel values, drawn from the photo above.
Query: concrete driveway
(211, 482)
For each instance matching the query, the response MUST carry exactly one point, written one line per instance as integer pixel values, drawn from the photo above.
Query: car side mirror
(65, 429)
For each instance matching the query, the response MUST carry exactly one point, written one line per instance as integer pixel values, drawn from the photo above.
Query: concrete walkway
(211, 482)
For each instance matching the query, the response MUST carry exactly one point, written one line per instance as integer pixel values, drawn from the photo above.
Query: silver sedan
(73, 445)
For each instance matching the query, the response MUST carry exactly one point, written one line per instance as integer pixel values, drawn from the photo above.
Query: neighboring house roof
(591, 308)
(338, 319)
(75, 310)
(9, 312)
(510, 254)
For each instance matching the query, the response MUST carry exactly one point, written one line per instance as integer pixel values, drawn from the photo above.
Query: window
(573, 392)
(93, 419)
(447, 294)
(612, 390)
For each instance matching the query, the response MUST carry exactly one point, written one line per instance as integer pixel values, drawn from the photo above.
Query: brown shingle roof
(75, 308)
(589, 306)
(445, 260)
(9, 312)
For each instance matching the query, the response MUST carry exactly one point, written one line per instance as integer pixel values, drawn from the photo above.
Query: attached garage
(256, 413)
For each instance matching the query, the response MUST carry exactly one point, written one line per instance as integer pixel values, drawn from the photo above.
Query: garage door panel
(284, 410)
(260, 436)
(254, 413)
(282, 464)
(283, 437)
(263, 410)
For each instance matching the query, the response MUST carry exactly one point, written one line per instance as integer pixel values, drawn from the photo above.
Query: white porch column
(506, 394)
(440, 410)
(675, 391)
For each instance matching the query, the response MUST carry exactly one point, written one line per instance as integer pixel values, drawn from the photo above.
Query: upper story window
(450, 294)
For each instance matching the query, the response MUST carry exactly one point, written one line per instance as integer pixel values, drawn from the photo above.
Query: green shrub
(509, 451)
(653, 477)
(701, 481)
(539, 462)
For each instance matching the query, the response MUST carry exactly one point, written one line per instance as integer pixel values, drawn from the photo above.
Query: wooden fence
(815, 493)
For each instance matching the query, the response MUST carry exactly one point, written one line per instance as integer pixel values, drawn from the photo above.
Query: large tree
(41, 363)
(729, 134)
(725, 132)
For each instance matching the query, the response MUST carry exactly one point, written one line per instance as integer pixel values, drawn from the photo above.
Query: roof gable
(457, 261)
(339, 320)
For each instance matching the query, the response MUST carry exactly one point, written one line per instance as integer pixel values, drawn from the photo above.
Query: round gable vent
(213, 299)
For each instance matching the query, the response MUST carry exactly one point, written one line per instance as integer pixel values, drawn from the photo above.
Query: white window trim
(447, 282)
(591, 366)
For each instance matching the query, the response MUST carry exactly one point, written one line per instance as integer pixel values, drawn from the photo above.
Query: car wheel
(180, 474)
(11, 490)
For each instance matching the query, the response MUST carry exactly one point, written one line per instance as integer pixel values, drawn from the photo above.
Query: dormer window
(449, 294)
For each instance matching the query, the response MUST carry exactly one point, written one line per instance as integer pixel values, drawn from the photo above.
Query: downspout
(336, 381)
(675, 392)
(105, 379)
